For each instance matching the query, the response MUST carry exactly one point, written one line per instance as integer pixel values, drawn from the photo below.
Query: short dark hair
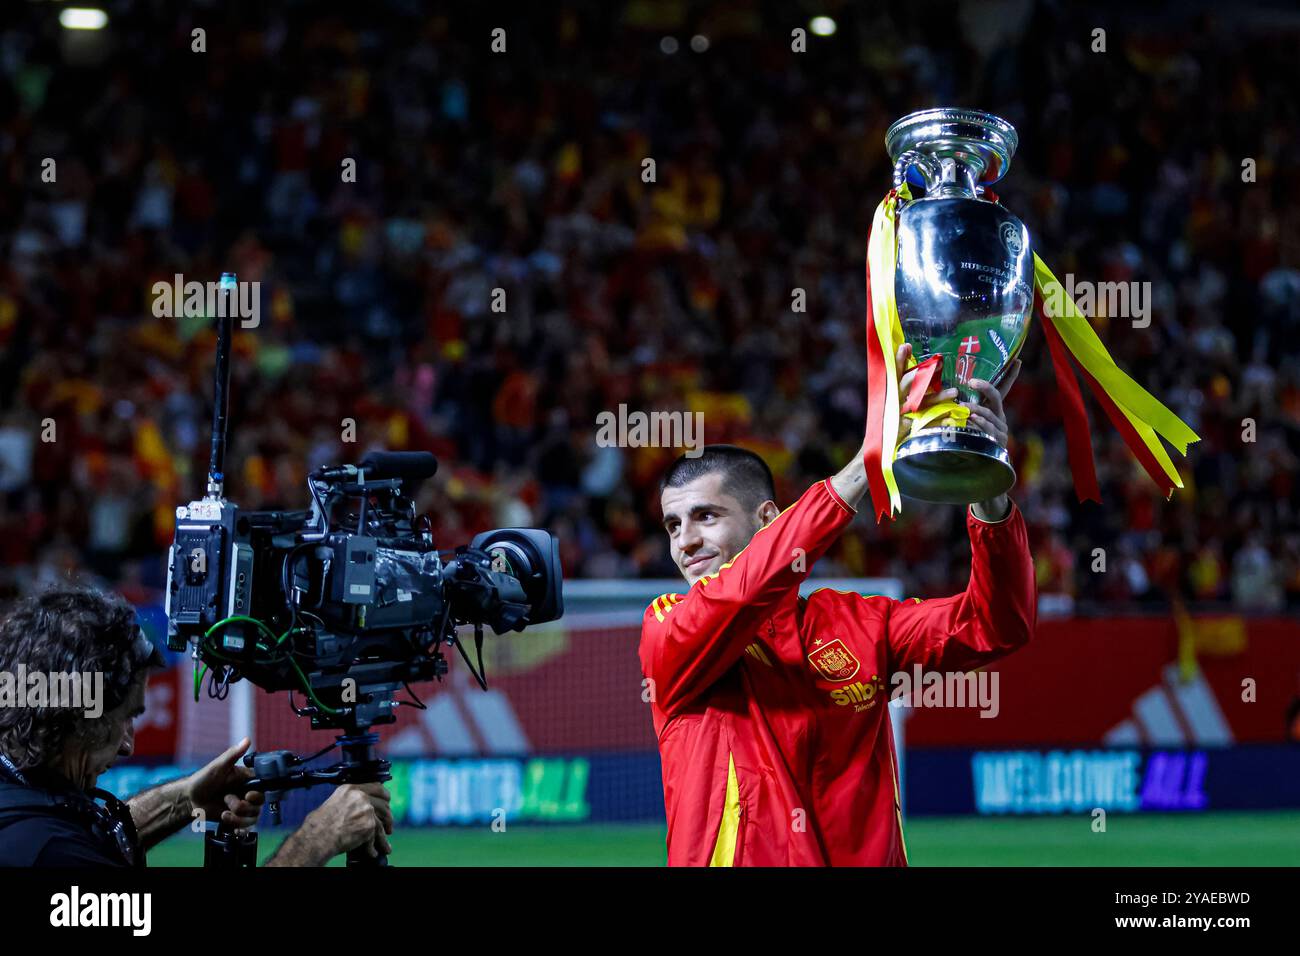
(67, 628)
(746, 476)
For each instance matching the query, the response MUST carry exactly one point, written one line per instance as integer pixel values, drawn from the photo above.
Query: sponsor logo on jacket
(862, 694)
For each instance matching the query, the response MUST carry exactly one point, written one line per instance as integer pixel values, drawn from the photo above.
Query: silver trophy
(964, 286)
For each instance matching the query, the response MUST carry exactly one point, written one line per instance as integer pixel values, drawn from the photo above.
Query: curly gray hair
(69, 629)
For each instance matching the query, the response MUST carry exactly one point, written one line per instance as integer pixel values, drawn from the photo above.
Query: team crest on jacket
(835, 661)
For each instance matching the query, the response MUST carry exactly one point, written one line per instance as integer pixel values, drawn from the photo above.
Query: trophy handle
(930, 169)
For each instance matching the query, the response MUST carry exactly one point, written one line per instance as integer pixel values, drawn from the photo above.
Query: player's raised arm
(998, 611)
(741, 558)
(996, 614)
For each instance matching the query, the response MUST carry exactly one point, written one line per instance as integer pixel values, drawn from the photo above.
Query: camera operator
(51, 813)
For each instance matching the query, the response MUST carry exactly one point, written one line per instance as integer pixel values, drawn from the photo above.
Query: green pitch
(1216, 839)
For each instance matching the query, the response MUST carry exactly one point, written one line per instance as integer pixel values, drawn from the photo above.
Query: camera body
(349, 600)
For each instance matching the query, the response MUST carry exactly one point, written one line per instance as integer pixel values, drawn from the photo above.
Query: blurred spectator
(515, 182)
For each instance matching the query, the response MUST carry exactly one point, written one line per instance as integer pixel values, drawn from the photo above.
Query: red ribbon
(872, 456)
(1078, 437)
(1131, 438)
(923, 381)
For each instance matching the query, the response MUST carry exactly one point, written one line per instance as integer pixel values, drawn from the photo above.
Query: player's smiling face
(706, 526)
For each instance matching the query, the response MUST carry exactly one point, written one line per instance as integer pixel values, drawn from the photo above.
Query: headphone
(142, 654)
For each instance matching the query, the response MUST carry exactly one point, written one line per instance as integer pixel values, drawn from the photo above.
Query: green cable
(306, 684)
(280, 639)
(239, 617)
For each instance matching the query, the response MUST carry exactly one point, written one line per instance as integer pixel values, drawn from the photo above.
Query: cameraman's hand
(215, 789)
(358, 814)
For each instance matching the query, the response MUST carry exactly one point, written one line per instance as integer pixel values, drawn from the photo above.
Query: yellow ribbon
(882, 257)
(1143, 411)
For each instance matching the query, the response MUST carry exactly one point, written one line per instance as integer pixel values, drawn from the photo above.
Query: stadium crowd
(522, 171)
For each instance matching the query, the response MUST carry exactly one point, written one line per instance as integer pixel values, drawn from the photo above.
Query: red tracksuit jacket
(770, 709)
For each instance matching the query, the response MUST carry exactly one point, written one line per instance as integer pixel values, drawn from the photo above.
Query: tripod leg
(360, 858)
(224, 848)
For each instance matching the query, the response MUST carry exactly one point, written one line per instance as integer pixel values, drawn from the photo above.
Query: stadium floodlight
(822, 26)
(83, 18)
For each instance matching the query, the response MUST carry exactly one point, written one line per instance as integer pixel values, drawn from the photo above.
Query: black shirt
(49, 822)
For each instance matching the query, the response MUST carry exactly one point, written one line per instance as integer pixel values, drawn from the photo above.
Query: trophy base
(952, 466)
